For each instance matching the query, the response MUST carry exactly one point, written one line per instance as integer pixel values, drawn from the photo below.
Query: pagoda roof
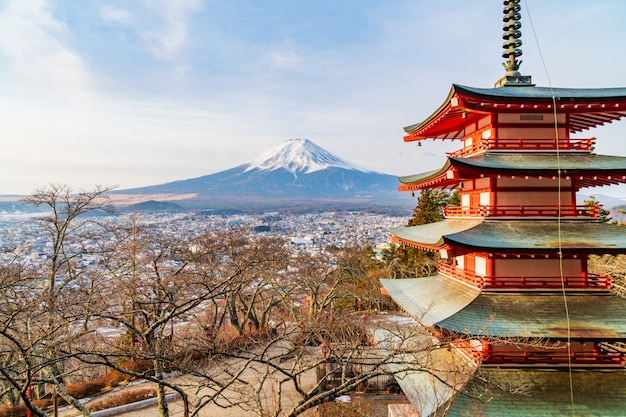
(457, 297)
(430, 236)
(542, 392)
(531, 92)
(591, 316)
(588, 107)
(517, 236)
(544, 163)
(592, 169)
(537, 315)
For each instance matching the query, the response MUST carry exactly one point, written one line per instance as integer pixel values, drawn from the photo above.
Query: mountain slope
(296, 170)
(299, 156)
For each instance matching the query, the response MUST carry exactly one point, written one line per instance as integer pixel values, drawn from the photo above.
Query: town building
(545, 336)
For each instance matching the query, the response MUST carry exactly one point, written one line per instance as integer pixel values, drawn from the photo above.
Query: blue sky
(130, 93)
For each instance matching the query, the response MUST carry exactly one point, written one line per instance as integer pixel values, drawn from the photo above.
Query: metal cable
(560, 248)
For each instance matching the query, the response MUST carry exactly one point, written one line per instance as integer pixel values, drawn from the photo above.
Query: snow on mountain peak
(299, 156)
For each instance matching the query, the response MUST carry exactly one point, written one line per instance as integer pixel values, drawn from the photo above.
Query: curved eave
(439, 113)
(541, 237)
(432, 299)
(542, 392)
(587, 108)
(443, 177)
(431, 236)
(447, 122)
(426, 176)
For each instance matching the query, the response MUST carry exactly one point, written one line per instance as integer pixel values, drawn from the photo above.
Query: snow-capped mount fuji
(298, 171)
(299, 156)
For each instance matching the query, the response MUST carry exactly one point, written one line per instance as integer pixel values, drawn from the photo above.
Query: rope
(560, 248)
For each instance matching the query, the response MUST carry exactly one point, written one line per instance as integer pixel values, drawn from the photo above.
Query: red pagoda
(545, 336)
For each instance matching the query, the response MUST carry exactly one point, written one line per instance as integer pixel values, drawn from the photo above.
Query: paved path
(176, 405)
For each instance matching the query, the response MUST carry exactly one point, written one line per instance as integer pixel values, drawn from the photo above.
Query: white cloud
(116, 15)
(285, 59)
(166, 41)
(36, 58)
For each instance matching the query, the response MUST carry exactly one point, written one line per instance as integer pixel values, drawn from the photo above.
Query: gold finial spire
(512, 35)
(512, 42)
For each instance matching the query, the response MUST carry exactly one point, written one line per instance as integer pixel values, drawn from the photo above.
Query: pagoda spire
(512, 36)
(512, 42)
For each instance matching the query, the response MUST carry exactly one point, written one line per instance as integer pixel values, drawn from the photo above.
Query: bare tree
(43, 310)
(166, 293)
(225, 318)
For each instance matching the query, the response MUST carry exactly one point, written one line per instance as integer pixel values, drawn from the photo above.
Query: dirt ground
(176, 406)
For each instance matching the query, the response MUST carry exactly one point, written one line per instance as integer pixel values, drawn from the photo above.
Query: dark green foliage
(604, 215)
(412, 262)
(430, 204)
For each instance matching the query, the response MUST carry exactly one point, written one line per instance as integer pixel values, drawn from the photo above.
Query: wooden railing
(519, 144)
(595, 282)
(522, 211)
(468, 277)
(549, 282)
(501, 357)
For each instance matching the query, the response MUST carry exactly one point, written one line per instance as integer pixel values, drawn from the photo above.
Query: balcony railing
(468, 277)
(503, 357)
(591, 282)
(522, 211)
(519, 144)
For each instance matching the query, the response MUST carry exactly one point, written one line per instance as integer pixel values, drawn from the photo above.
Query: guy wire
(559, 239)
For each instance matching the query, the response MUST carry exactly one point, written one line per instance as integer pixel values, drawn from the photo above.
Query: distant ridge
(152, 205)
(296, 172)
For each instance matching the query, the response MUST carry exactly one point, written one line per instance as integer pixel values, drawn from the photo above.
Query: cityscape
(310, 232)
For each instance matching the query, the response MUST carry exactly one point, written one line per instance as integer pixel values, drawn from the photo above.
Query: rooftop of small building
(429, 372)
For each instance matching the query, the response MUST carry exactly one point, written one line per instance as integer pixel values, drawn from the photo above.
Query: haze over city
(134, 93)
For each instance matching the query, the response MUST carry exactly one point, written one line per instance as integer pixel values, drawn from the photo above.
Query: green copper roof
(541, 236)
(432, 234)
(424, 298)
(544, 163)
(591, 316)
(542, 393)
(502, 236)
(437, 301)
(521, 163)
(543, 93)
(417, 178)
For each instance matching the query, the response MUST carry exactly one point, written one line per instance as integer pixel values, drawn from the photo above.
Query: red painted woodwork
(594, 354)
(544, 144)
(521, 211)
(583, 282)
(554, 357)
